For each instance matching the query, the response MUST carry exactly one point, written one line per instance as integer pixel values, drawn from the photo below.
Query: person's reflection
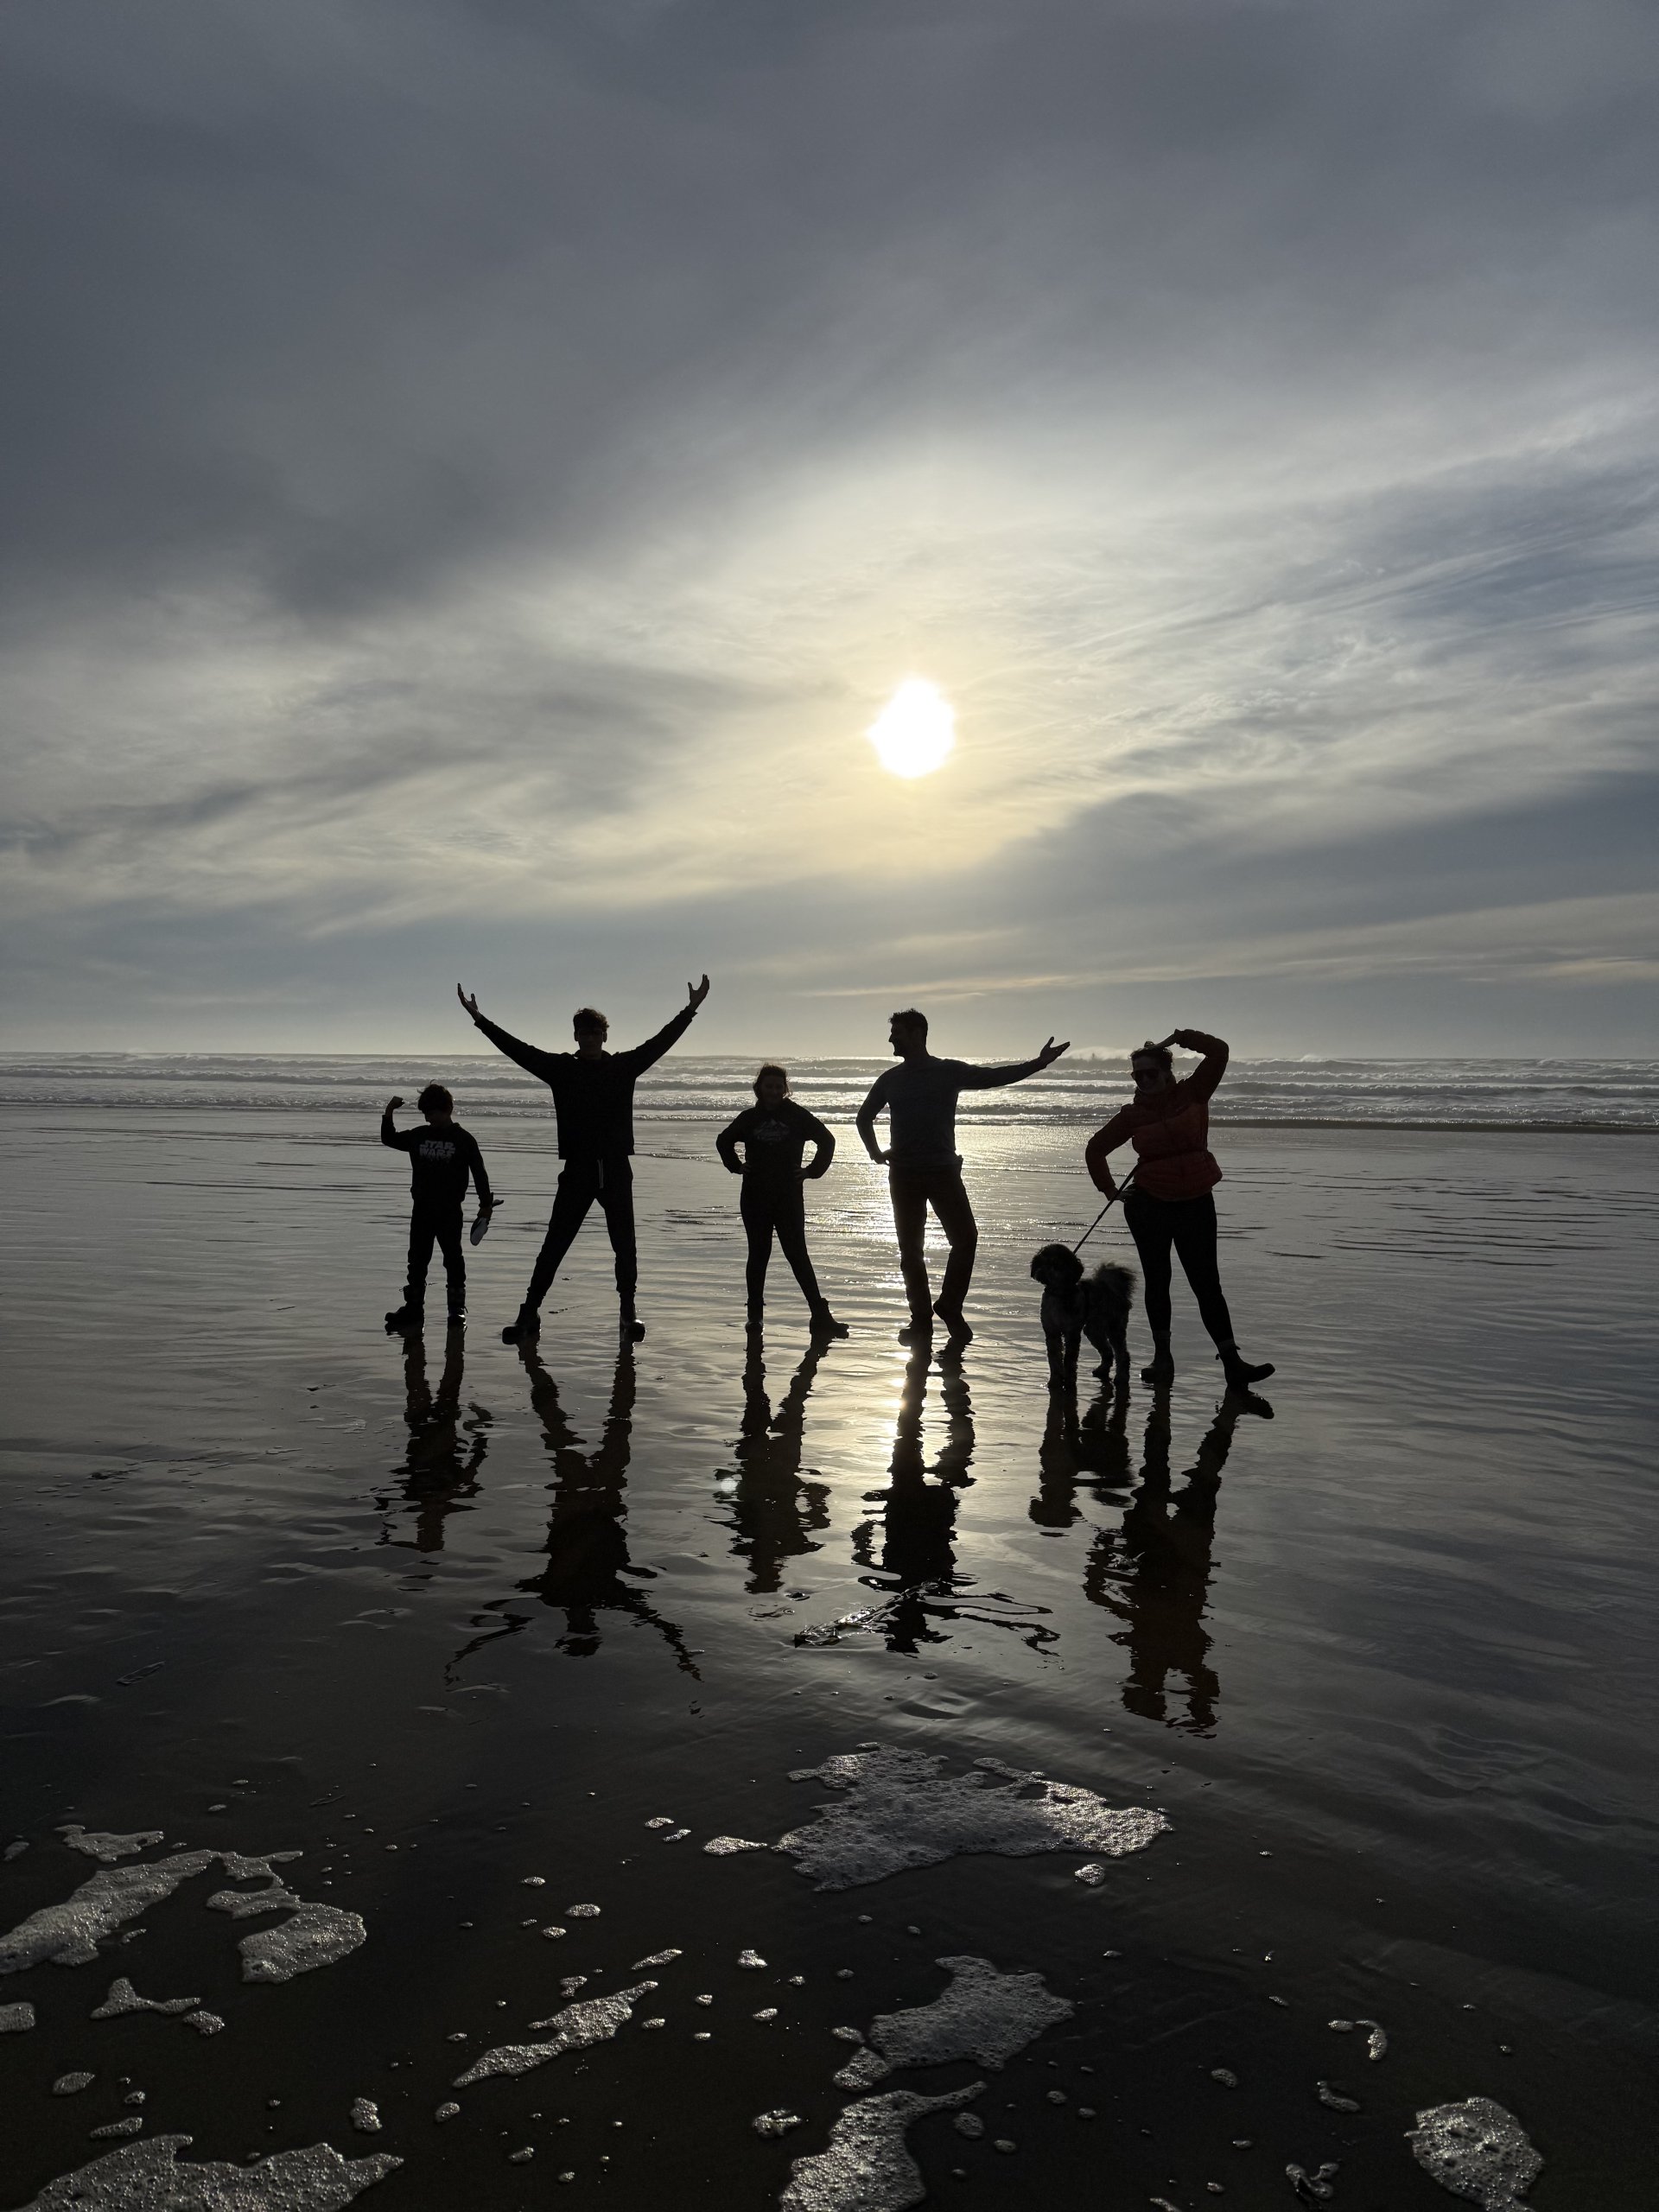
(587, 1541)
(438, 1473)
(1154, 1572)
(918, 1557)
(772, 1509)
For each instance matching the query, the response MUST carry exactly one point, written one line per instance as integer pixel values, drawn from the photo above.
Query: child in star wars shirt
(442, 1159)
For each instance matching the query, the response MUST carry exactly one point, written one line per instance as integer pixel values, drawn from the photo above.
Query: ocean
(1079, 1090)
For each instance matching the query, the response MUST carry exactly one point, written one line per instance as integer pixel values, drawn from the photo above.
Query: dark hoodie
(594, 1099)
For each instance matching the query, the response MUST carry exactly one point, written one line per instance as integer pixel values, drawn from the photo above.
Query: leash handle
(1106, 1209)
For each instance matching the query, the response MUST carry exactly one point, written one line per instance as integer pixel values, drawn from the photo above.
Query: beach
(458, 1622)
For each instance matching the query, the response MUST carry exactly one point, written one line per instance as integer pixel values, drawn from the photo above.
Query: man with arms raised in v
(925, 1168)
(593, 1097)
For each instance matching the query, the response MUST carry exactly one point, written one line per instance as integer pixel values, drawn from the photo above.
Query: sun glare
(916, 732)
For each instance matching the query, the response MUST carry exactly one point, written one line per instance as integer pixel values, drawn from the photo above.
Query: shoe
(458, 1317)
(633, 1330)
(958, 1325)
(1239, 1372)
(919, 1330)
(527, 1325)
(1160, 1370)
(824, 1324)
(406, 1317)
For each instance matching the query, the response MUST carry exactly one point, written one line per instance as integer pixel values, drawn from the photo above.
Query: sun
(916, 732)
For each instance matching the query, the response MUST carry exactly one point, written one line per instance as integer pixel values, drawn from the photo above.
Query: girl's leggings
(782, 1212)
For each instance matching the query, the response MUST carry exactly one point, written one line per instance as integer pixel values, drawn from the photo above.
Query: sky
(475, 470)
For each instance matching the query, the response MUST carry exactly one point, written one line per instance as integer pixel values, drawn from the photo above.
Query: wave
(1613, 1095)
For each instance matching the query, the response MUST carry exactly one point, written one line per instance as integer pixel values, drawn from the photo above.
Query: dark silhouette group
(1168, 1199)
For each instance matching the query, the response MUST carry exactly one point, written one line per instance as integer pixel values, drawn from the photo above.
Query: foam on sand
(867, 2167)
(899, 1809)
(68, 1934)
(105, 1845)
(1477, 2149)
(984, 2015)
(124, 1998)
(16, 2020)
(150, 2177)
(313, 1936)
(595, 2021)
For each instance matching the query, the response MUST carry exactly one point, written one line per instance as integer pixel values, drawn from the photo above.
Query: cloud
(481, 468)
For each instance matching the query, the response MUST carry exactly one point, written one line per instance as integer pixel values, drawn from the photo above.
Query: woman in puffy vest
(1171, 1206)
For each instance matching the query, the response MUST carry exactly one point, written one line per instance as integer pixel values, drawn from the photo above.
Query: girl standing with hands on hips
(1171, 1206)
(773, 1134)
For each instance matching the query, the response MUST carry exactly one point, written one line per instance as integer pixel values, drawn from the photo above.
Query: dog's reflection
(1153, 1570)
(773, 1510)
(1093, 1451)
(439, 1473)
(586, 1543)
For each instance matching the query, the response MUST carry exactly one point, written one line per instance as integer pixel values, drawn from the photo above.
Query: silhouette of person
(1154, 1572)
(925, 1168)
(593, 1097)
(587, 1541)
(442, 1158)
(774, 1133)
(437, 1475)
(774, 1510)
(1172, 1205)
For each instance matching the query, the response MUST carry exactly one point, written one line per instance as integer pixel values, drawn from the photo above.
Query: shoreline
(483, 1110)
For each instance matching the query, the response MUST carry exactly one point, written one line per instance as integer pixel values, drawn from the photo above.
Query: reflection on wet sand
(1095, 1450)
(772, 1509)
(918, 1561)
(1153, 1572)
(439, 1473)
(587, 1539)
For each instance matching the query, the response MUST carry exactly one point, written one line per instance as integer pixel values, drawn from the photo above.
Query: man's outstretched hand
(696, 993)
(471, 1004)
(1051, 1052)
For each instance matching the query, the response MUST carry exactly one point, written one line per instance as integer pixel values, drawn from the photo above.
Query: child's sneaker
(528, 1324)
(405, 1317)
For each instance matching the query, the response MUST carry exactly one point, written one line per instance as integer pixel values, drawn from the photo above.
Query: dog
(1074, 1307)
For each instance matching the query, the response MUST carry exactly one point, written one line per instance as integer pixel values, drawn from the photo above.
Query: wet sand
(457, 1623)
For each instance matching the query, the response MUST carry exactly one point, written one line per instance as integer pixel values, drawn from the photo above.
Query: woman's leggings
(782, 1210)
(1189, 1226)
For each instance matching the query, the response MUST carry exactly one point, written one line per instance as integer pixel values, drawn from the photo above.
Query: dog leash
(1106, 1209)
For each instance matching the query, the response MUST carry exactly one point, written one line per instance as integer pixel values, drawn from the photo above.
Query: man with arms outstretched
(924, 1166)
(593, 1097)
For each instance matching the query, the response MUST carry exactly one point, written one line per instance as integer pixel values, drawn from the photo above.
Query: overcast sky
(475, 468)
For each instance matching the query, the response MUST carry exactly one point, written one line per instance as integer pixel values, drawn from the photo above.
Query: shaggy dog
(1073, 1308)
